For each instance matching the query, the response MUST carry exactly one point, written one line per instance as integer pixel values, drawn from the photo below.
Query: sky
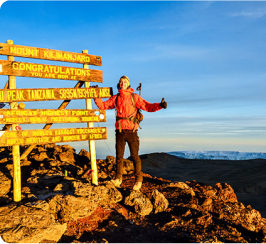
(206, 58)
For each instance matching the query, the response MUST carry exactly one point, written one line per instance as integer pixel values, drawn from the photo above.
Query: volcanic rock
(140, 202)
(27, 224)
(160, 203)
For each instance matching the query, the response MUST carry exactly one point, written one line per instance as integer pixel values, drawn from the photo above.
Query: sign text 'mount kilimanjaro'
(27, 137)
(49, 71)
(49, 54)
(47, 94)
(47, 116)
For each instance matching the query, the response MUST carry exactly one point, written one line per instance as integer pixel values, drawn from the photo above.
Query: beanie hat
(126, 78)
(123, 77)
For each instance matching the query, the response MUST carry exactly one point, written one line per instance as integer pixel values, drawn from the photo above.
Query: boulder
(68, 207)
(27, 224)
(67, 157)
(85, 200)
(160, 203)
(40, 157)
(140, 202)
(84, 154)
(182, 186)
(101, 194)
(107, 194)
(225, 192)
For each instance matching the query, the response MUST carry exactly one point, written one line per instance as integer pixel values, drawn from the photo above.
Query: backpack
(139, 115)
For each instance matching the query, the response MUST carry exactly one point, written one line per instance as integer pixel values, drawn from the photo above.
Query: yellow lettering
(63, 77)
(25, 133)
(61, 93)
(15, 65)
(40, 68)
(67, 71)
(46, 69)
(9, 95)
(15, 120)
(90, 119)
(95, 136)
(56, 139)
(12, 50)
(14, 141)
(24, 51)
(45, 54)
(71, 138)
(59, 55)
(22, 66)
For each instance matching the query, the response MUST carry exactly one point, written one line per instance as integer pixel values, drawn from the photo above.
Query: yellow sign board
(27, 95)
(49, 54)
(27, 137)
(49, 71)
(47, 116)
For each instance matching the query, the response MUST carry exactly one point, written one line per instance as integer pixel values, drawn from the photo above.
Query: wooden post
(15, 149)
(91, 142)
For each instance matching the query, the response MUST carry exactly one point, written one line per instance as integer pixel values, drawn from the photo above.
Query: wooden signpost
(13, 117)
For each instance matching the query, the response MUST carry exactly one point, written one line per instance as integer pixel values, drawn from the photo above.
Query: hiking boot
(137, 186)
(116, 182)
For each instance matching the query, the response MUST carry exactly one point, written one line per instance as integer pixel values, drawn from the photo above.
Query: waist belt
(133, 119)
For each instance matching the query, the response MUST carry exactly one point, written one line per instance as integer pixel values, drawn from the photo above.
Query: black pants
(133, 142)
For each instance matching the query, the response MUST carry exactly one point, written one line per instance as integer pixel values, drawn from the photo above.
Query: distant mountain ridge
(219, 155)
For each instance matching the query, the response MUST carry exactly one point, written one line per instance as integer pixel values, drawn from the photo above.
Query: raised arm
(146, 106)
(109, 104)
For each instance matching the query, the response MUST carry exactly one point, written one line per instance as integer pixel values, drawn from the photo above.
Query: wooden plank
(44, 116)
(49, 54)
(48, 94)
(27, 137)
(49, 71)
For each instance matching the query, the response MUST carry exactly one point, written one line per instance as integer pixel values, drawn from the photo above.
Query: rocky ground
(60, 204)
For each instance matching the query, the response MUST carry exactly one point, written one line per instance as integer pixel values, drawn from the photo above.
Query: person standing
(126, 126)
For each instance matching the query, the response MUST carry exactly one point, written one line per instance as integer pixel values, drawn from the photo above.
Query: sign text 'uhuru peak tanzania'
(47, 94)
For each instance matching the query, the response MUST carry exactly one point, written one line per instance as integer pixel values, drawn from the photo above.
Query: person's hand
(163, 104)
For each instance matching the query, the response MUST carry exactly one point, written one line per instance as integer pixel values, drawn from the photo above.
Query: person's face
(123, 83)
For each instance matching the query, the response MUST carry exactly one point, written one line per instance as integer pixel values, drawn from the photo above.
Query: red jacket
(125, 107)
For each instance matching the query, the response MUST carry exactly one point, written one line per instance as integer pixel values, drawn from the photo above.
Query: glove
(163, 104)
